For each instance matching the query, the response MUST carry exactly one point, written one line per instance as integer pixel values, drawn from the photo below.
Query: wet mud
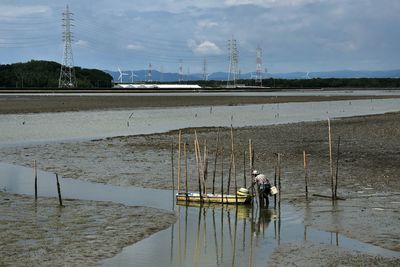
(368, 173)
(82, 233)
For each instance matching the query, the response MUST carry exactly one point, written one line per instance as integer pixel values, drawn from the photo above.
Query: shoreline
(22, 104)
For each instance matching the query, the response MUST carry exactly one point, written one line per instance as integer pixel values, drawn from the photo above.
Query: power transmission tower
(233, 62)
(180, 71)
(149, 74)
(67, 73)
(205, 74)
(259, 65)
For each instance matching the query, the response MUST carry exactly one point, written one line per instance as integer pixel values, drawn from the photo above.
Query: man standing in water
(263, 187)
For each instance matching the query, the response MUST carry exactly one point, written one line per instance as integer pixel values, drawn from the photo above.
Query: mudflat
(368, 174)
(59, 103)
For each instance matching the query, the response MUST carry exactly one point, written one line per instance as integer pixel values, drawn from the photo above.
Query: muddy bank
(55, 103)
(83, 233)
(316, 254)
(368, 170)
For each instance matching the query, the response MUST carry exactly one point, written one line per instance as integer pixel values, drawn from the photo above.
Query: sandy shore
(83, 233)
(56, 103)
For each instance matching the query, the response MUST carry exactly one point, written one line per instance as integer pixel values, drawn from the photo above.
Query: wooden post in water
(172, 175)
(215, 163)
(205, 168)
(234, 165)
(35, 173)
(305, 172)
(179, 161)
(330, 157)
(337, 167)
(279, 178)
(186, 169)
(229, 175)
(244, 169)
(222, 176)
(198, 166)
(59, 191)
(275, 186)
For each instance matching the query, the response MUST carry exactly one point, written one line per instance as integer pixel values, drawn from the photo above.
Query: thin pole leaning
(186, 169)
(234, 164)
(330, 158)
(179, 160)
(337, 167)
(172, 174)
(215, 163)
(59, 191)
(305, 172)
(198, 167)
(36, 178)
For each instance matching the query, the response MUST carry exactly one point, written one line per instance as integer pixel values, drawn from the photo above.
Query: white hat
(255, 172)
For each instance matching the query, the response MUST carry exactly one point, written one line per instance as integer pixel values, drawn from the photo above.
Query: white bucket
(274, 191)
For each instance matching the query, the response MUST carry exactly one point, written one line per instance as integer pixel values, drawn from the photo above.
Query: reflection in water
(210, 244)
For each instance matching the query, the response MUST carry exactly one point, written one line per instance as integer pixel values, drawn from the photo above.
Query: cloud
(135, 46)
(204, 48)
(82, 43)
(269, 3)
(207, 24)
(9, 11)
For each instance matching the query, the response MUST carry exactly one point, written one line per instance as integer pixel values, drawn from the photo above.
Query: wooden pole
(234, 165)
(244, 169)
(305, 172)
(186, 169)
(330, 157)
(35, 172)
(198, 166)
(59, 191)
(222, 175)
(275, 186)
(215, 163)
(205, 167)
(229, 175)
(337, 167)
(179, 161)
(172, 175)
(279, 178)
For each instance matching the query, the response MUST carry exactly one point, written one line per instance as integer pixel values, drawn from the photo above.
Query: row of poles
(202, 163)
(35, 172)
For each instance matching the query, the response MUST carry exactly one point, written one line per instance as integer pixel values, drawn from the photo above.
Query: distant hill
(41, 74)
(141, 75)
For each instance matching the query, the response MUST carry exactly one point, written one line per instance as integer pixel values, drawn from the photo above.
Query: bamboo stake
(279, 178)
(172, 175)
(198, 166)
(215, 163)
(234, 165)
(244, 169)
(275, 186)
(35, 172)
(305, 172)
(330, 157)
(186, 173)
(222, 175)
(205, 167)
(59, 191)
(179, 161)
(337, 166)
(229, 175)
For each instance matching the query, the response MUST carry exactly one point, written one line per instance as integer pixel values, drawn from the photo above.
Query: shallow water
(51, 127)
(202, 236)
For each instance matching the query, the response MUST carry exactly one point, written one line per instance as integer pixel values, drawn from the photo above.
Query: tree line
(45, 74)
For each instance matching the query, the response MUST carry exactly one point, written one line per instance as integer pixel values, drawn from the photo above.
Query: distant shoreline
(30, 103)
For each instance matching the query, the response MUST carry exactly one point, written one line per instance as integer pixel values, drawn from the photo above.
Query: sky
(294, 35)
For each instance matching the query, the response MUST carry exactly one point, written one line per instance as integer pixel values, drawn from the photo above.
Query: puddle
(202, 236)
(17, 129)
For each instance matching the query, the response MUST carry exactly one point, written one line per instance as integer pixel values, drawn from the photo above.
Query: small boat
(240, 197)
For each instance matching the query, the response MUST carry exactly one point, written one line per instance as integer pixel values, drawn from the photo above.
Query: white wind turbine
(133, 75)
(121, 75)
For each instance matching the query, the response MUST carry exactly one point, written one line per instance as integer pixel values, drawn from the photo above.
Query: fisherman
(263, 187)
